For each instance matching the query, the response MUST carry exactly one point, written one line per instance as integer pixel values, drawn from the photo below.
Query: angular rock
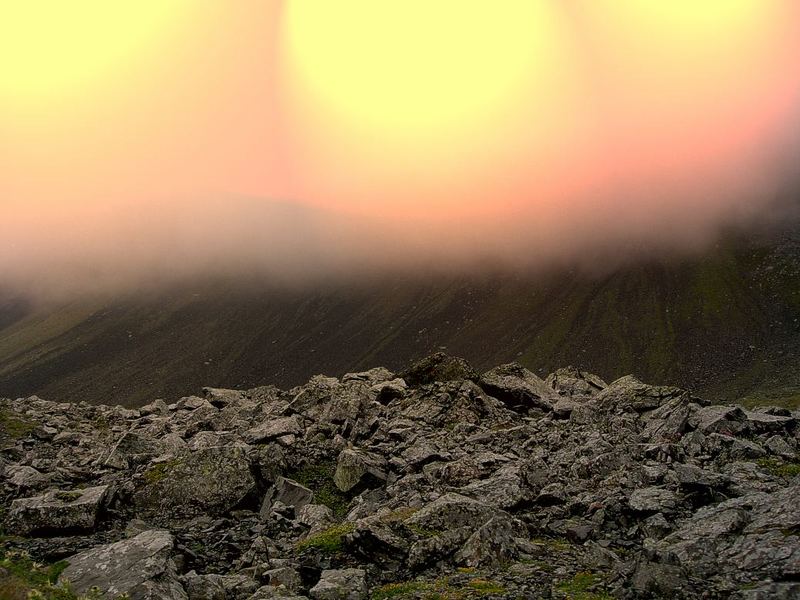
(315, 516)
(57, 511)
(631, 395)
(140, 567)
(203, 587)
(506, 489)
(209, 481)
(570, 381)
(438, 367)
(760, 422)
(132, 449)
(780, 447)
(375, 376)
(285, 577)
(341, 584)
(355, 467)
(518, 388)
(751, 538)
(492, 545)
(287, 492)
(653, 500)
(451, 511)
(728, 420)
(387, 391)
(25, 478)
(274, 428)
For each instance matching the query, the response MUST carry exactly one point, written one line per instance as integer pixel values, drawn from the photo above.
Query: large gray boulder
(274, 428)
(451, 511)
(494, 544)
(210, 481)
(628, 394)
(752, 538)
(358, 468)
(505, 489)
(518, 388)
(719, 419)
(438, 367)
(140, 567)
(570, 381)
(57, 511)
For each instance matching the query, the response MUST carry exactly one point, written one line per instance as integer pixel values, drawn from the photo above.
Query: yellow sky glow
(412, 71)
(116, 114)
(51, 49)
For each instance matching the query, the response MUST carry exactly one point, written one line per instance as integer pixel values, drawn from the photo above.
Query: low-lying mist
(60, 252)
(635, 130)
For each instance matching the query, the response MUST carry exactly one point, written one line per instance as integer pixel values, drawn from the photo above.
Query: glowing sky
(118, 119)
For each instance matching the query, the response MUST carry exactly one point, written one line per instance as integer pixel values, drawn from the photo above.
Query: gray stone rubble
(438, 482)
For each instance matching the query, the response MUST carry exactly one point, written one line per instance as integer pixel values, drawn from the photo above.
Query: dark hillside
(725, 324)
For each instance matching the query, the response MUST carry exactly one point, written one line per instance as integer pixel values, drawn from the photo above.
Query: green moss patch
(779, 468)
(328, 541)
(22, 578)
(14, 426)
(556, 545)
(398, 590)
(584, 586)
(160, 471)
(422, 531)
(319, 479)
(444, 588)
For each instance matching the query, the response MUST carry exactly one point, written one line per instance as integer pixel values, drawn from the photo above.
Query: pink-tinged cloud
(222, 149)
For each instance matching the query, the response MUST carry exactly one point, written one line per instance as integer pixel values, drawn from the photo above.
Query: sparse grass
(779, 468)
(542, 565)
(319, 479)
(422, 531)
(21, 578)
(14, 426)
(786, 398)
(583, 586)
(443, 588)
(328, 541)
(398, 590)
(486, 587)
(398, 516)
(68, 496)
(553, 544)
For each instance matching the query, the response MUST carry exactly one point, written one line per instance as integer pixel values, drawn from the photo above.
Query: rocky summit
(438, 482)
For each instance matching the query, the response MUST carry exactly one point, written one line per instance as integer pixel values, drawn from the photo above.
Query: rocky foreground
(435, 483)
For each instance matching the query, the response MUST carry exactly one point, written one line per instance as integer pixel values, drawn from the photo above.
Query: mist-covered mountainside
(725, 324)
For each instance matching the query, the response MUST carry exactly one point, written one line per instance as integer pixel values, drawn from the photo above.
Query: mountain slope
(724, 324)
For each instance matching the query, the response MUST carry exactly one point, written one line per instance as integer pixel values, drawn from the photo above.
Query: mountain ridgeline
(725, 324)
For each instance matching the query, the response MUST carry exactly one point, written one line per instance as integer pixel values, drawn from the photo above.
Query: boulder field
(438, 482)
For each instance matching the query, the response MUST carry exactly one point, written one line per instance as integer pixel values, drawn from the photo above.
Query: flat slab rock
(57, 511)
(140, 567)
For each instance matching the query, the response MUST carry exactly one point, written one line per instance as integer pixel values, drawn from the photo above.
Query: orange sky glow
(124, 124)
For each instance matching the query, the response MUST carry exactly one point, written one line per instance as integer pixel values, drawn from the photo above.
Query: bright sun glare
(52, 48)
(416, 69)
